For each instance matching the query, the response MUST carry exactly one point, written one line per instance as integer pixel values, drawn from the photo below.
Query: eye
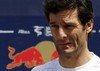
(69, 26)
(54, 26)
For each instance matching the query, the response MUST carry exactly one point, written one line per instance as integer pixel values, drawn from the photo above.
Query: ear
(89, 26)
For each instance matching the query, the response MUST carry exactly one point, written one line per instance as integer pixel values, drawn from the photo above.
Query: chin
(68, 52)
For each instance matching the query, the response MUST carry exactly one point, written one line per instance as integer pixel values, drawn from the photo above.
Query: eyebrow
(70, 23)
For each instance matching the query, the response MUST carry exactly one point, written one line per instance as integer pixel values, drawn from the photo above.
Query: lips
(64, 44)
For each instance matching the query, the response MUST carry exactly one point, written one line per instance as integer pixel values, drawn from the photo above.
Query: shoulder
(96, 65)
(96, 61)
(45, 67)
(96, 58)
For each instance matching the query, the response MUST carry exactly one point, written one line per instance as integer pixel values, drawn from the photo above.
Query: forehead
(65, 15)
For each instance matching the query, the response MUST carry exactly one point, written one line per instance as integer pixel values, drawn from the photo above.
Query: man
(71, 23)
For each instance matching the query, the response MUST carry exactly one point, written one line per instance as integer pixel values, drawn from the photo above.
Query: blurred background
(25, 30)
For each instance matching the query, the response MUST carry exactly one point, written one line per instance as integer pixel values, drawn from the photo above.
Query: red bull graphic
(32, 56)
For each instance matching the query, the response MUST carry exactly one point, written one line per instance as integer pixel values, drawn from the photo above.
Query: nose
(62, 33)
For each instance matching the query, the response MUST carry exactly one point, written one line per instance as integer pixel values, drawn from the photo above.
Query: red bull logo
(30, 57)
(33, 56)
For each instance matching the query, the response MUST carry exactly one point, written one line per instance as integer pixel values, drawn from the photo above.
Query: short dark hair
(84, 7)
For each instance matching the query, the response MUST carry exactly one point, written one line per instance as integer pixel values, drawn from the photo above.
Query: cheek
(54, 34)
(80, 38)
(76, 38)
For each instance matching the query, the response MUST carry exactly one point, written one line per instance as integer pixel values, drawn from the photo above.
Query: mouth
(65, 45)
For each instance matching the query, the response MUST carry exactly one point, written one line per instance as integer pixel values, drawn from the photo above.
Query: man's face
(69, 36)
